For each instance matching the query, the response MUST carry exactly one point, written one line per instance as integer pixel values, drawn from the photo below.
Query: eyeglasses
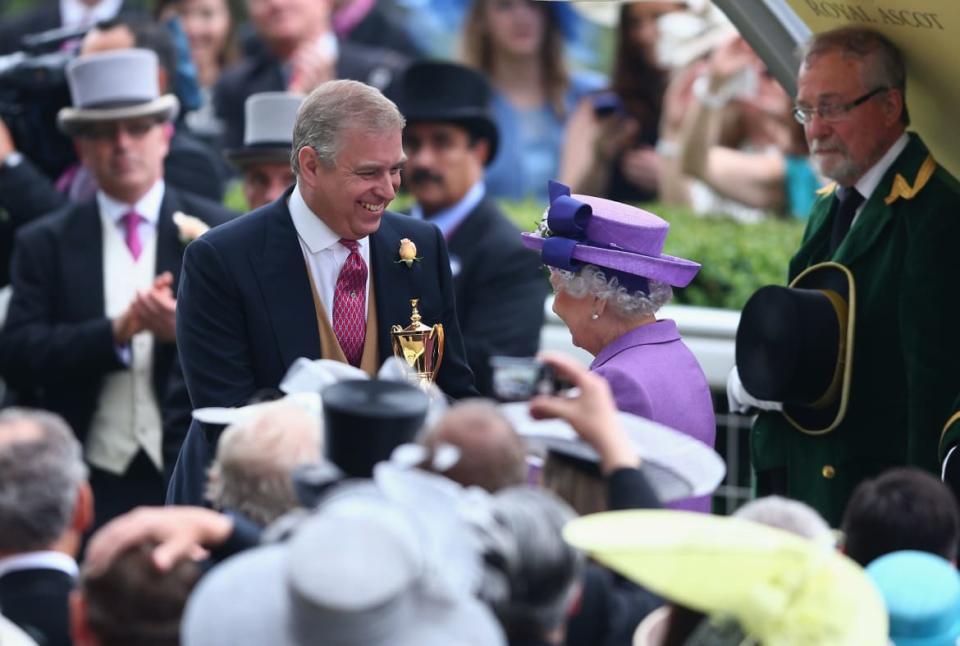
(108, 130)
(833, 111)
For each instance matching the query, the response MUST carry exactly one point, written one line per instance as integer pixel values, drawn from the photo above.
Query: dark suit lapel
(83, 262)
(169, 247)
(394, 283)
(282, 273)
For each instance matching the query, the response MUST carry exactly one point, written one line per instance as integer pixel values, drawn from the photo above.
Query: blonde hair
(477, 46)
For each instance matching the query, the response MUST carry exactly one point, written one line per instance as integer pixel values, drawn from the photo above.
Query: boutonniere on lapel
(408, 252)
(189, 227)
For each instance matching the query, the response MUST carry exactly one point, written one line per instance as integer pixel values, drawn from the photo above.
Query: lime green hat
(782, 589)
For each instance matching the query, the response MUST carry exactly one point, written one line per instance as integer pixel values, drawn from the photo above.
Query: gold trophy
(420, 346)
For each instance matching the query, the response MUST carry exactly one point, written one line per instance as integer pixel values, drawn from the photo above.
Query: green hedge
(737, 258)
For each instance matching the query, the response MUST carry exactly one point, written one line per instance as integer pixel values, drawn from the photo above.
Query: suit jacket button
(828, 471)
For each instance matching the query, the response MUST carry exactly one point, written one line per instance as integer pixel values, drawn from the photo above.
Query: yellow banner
(928, 32)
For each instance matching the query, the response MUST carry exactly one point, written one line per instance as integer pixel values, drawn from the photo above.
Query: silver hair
(531, 574)
(789, 515)
(883, 61)
(334, 107)
(253, 468)
(591, 280)
(39, 478)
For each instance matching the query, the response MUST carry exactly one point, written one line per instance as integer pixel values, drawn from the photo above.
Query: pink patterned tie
(131, 220)
(349, 304)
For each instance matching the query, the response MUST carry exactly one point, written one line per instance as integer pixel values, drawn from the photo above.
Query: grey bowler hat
(267, 128)
(114, 85)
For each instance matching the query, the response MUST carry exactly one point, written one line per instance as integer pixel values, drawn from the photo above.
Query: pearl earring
(594, 316)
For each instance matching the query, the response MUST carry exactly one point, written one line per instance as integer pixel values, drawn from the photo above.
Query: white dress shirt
(148, 206)
(39, 560)
(323, 252)
(867, 184)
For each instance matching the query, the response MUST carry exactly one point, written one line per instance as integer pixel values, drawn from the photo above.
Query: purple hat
(624, 240)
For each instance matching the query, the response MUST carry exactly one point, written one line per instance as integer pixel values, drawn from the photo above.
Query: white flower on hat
(190, 227)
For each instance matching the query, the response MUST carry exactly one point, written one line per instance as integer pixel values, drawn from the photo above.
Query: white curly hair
(593, 281)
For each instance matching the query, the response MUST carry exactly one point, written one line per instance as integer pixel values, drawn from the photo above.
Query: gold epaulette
(901, 188)
(827, 190)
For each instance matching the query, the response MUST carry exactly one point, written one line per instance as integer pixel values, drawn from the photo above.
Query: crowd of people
(208, 436)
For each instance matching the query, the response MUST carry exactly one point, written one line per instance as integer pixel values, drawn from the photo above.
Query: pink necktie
(131, 220)
(349, 300)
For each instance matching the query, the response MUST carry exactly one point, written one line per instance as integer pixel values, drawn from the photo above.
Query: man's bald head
(492, 455)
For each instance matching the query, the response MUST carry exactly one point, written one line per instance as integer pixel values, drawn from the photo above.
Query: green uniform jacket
(905, 372)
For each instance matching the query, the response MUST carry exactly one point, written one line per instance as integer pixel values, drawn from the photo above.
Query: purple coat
(653, 374)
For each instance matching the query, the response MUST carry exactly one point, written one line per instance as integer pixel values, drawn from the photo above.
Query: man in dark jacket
(450, 137)
(90, 332)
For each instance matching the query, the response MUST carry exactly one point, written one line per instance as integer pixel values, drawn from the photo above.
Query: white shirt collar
(313, 231)
(867, 184)
(147, 206)
(42, 559)
(74, 13)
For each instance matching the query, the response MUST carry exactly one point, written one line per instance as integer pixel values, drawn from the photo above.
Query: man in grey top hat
(90, 331)
(264, 158)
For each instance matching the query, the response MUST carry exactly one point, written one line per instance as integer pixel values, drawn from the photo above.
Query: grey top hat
(115, 85)
(267, 128)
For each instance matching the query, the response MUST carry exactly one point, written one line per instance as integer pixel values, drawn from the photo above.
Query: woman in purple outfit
(611, 276)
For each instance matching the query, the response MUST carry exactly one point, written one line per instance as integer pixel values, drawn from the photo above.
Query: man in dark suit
(317, 273)
(295, 50)
(498, 283)
(90, 331)
(46, 506)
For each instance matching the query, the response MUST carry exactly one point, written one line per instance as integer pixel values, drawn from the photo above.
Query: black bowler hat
(364, 421)
(448, 92)
(795, 345)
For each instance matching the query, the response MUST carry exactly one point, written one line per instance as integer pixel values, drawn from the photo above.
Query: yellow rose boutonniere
(190, 228)
(408, 252)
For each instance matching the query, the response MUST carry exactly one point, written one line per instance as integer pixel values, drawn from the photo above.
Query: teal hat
(922, 595)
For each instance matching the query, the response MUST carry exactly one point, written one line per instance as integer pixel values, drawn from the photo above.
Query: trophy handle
(437, 331)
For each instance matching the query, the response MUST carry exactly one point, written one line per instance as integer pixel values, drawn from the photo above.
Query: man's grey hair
(41, 470)
(592, 280)
(256, 457)
(789, 515)
(334, 107)
(883, 61)
(531, 575)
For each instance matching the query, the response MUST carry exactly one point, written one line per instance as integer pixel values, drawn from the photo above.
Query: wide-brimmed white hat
(676, 465)
(384, 563)
(114, 85)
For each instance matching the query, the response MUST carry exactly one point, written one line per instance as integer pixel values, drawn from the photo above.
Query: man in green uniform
(892, 217)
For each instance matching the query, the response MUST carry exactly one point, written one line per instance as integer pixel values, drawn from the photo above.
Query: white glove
(740, 401)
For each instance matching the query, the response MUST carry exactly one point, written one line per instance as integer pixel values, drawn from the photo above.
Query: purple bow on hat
(625, 241)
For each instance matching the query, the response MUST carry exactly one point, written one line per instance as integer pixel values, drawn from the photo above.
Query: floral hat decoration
(625, 241)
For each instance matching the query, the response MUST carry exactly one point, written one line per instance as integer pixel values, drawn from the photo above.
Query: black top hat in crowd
(795, 345)
(364, 421)
(441, 91)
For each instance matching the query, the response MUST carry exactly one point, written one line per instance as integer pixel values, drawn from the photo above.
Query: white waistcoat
(127, 415)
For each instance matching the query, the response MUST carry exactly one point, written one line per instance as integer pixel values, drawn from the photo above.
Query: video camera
(33, 88)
